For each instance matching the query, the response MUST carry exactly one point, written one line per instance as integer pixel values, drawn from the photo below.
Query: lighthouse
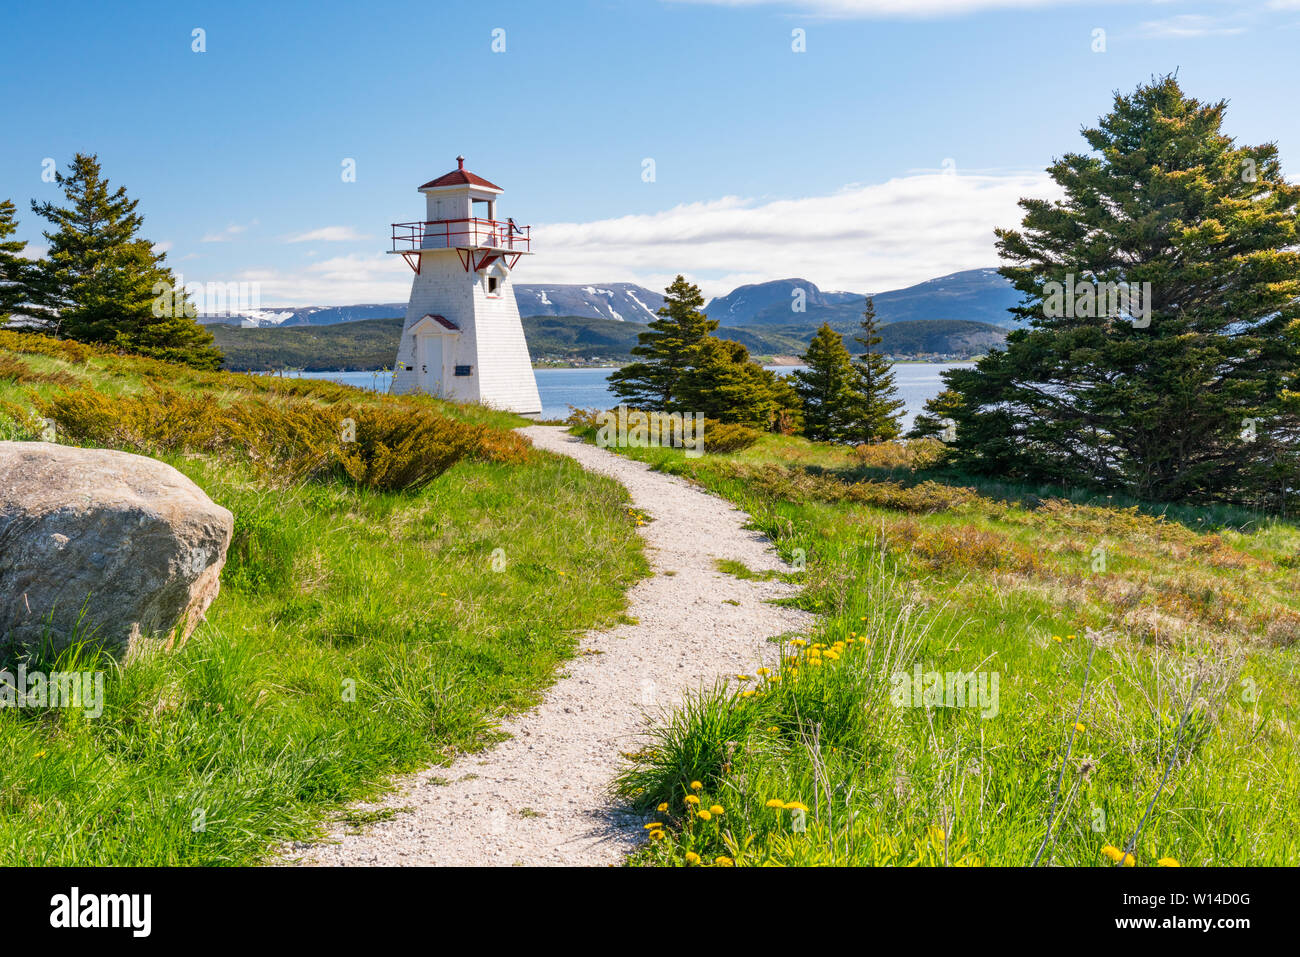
(462, 338)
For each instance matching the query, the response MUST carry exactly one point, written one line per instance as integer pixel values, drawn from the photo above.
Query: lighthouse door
(429, 356)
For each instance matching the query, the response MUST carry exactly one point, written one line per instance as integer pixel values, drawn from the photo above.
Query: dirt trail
(541, 796)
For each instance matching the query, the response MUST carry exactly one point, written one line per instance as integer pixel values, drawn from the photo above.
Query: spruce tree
(877, 416)
(826, 388)
(1182, 394)
(104, 282)
(665, 349)
(16, 272)
(722, 382)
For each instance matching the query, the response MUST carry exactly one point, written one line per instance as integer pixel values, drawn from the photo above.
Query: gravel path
(541, 797)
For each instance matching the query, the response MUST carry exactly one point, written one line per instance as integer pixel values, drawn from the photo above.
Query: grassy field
(359, 632)
(1144, 661)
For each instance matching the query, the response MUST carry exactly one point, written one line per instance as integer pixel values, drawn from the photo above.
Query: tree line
(99, 280)
(682, 367)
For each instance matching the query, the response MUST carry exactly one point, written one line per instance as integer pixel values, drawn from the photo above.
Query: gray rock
(128, 538)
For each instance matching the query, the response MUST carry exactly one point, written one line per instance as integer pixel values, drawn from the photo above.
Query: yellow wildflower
(663, 807)
(795, 806)
(776, 803)
(696, 785)
(1167, 862)
(716, 809)
(724, 861)
(692, 857)
(1115, 854)
(705, 816)
(692, 799)
(1079, 727)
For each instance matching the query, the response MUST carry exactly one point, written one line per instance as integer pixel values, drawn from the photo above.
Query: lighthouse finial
(460, 162)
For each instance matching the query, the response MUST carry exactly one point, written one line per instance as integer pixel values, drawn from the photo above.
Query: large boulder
(128, 539)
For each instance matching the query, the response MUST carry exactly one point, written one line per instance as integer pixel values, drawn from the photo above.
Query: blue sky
(883, 154)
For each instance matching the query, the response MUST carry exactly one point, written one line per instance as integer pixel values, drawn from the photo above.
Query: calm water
(588, 388)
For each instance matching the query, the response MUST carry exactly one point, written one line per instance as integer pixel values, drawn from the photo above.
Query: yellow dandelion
(696, 785)
(1115, 854)
(724, 861)
(748, 694)
(1079, 727)
(692, 857)
(652, 825)
(705, 816)
(657, 835)
(663, 808)
(692, 799)
(795, 806)
(763, 672)
(744, 677)
(717, 809)
(1167, 862)
(1056, 638)
(773, 730)
(776, 803)
(1069, 637)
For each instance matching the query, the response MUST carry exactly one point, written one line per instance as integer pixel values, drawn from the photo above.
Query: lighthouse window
(463, 370)
(494, 285)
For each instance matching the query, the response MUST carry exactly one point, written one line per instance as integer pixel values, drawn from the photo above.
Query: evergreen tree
(17, 273)
(826, 388)
(1183, 392)
(878, 414)
(723, 383)
(105, 284)
(937, 421)
(666, 349)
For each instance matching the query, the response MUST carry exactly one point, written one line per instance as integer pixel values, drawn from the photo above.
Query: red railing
(461, 233)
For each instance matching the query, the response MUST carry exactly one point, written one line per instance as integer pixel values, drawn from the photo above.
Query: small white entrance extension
(462, 339)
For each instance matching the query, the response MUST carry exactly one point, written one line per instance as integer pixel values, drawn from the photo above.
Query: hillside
(362, 345)
(331, 577)
(979, 295)
(372, 343)
(620, 301)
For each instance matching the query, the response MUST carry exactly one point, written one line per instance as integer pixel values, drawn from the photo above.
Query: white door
(429, 352)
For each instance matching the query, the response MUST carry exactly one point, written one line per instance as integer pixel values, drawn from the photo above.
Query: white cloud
(864, 238)
(328, 234)
(1189, 25)
(227, 234)
(343, 280)
(897, 8)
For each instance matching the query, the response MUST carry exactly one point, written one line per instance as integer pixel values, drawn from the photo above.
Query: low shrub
(911, 454)
(15, 370)
(390, 447)
(723, 437)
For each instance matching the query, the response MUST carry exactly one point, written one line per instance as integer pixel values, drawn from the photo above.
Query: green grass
(1193, 674)
(357, 634)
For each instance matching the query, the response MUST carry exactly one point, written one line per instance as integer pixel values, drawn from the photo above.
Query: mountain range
(979, 295)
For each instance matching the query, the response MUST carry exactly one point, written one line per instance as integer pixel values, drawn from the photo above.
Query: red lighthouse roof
(460, 176)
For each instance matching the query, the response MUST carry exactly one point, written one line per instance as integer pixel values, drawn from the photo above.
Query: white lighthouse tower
(462, 339)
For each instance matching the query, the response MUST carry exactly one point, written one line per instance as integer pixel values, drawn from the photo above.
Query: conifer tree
(826, 388)
(105, 284)
(665, 349)
(722, 382)
(877, 416)
(1183, 393)
(16, 272)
